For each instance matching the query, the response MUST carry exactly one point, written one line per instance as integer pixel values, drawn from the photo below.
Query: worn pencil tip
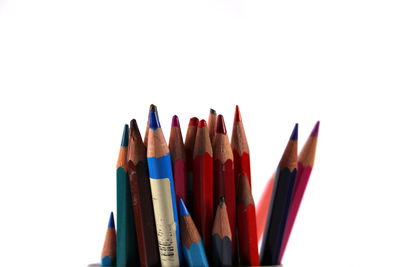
(202, 124)
(154, 121)
(212, 111)
(294, 135)
(111, 221)
(125, 136)
(315, 130)
(238, 116)
(221, 125)
(182, 208)
(193, 121)
(175, 121)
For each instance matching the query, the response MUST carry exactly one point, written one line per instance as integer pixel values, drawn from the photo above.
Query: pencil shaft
(263, 206)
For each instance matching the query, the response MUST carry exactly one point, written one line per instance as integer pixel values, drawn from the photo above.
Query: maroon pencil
(189, 146)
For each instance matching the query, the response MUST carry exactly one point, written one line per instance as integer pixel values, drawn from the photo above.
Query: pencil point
(221, 201)
(153, 107)
(238, 116)
(315, 130)
(212, 111)
(153, 118)
(175, 121)
(134, 127)
(221, 125)
(125, 136)
(183, 210)
(295, 132)
(111, 221)
(202, 124)
(193, 121)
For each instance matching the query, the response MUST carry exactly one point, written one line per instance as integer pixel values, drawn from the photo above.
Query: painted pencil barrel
(165, 211)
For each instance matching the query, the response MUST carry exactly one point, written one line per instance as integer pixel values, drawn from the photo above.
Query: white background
(73, 72)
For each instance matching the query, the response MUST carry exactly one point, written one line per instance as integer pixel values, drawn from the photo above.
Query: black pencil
(221, 238)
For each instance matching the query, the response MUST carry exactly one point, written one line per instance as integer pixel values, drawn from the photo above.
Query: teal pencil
(109, 249)
(127, 254)
(163, 193)
(192, 244)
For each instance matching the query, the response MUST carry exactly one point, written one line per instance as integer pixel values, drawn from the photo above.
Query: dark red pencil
(203, 209)
(189, 146)
(224, 179)
(178, 158)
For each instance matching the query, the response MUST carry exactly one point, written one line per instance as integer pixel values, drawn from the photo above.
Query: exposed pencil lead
(134, 127)
(202, 124)
(221, 201)
(294, 135)
(315, 130)
(175, 121)
(221, 125)
(193, 121)
(213, 111)
(238, 116)
(125, 136)
(182, 208)
(111, 221)
(153, 107)
(154, 120)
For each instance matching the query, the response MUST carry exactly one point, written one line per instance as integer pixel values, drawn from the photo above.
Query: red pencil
(240, 148)
(262, 207)
(246, 220)
(203, 209)
(189, 145)
(224, 179)
(178, 158)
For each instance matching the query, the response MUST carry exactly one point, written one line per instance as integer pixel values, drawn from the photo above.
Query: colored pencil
(224, 179)
(221, 237)
(246, 223)
(263, 205)
(178, 157)
(189, 146)
(304, 168)
(240, 148)
(146, 134)
(126, 235)
(108, 255)
(141, 199)
(203, 208)
(212, 121)
(192, 244)
(163, 193)
(280, 203)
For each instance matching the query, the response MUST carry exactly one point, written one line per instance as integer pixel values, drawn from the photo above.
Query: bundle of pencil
(224, 179)
(141, 199)
(280, 203)
(203, 209)
(189, 146)
(126, 235)
(163, 193)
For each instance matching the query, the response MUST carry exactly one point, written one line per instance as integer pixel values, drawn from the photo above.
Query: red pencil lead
(221, 125)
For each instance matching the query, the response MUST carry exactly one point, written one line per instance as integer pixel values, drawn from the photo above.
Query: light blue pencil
(163, 193)
(192, 244)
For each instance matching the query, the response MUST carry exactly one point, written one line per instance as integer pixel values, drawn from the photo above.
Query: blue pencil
(163, 193)
(108, 255)
(192, 244)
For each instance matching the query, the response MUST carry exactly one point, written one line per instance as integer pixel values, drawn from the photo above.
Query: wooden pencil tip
(175, 121)
(125, 136)
(134, 127)
(315, 131)
(193, 121)
(212, 111)
(153, 107)
(294, 135)
(111, 221)
(221, 125)
(202, 124)
(154, 121)
(238, 116)
(182, 208)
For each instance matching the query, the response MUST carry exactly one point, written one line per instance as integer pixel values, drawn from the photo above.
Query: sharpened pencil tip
(175, 121)
(221, 201)
(202, 124)
(182, 208)
(193, 121)
(212, 111)
(221, 128)
(153, 107)
(154, 121)
(134, 127)
(315, 130)
(111, 221)
(125, 136)
(238, 116)
(294, 135)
